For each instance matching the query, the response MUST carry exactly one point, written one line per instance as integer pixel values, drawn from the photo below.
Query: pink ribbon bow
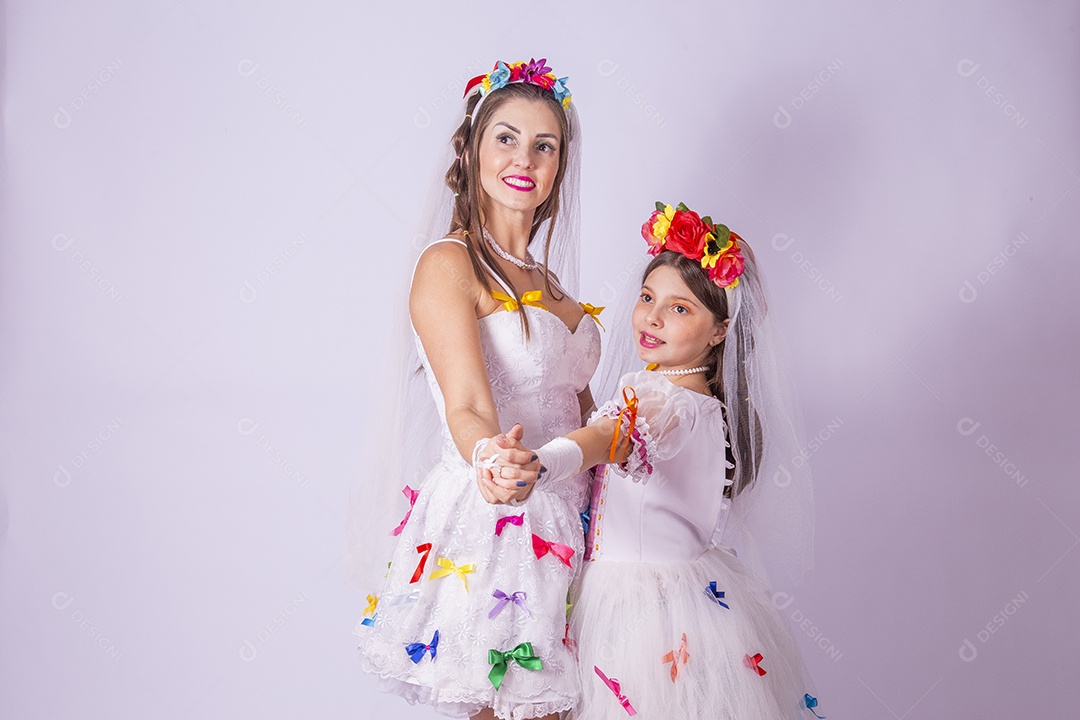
(512, 519)
(411, 495)
(613, 685)
(542, 547)
(677, 658)
(752, 662)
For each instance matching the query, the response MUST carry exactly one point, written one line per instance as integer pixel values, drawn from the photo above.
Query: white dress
(646, 590)
(536, 383)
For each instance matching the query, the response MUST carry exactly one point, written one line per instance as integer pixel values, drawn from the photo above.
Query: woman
(471, 614)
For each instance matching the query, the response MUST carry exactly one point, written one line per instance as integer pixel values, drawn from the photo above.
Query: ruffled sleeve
(665, 421)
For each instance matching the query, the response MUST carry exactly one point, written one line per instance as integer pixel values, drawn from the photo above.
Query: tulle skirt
(451, 520)
(668, 648)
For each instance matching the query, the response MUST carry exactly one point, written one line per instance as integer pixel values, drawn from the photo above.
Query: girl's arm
(443, 306)
(594, 442)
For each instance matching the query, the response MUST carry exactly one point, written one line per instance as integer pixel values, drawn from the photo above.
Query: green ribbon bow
(522, 655)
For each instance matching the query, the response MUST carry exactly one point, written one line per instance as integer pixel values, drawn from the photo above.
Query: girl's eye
(680, 310)
(645, 297)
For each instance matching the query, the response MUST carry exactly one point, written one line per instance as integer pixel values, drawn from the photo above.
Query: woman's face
(519, 155)
(672, 328)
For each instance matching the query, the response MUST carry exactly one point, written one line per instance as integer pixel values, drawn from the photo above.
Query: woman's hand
(516, 472)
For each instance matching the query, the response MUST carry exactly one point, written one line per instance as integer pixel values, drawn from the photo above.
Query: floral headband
(535, 72)
(681, 230)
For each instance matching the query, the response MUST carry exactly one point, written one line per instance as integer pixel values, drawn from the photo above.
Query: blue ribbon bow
(717, 596)
(585, 520)
(811, 703)
(370, 622)
(416, 650)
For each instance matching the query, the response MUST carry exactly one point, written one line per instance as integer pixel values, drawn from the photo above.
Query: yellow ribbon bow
(449, 568)
(372, 603)
(533, 297)
(594, 312)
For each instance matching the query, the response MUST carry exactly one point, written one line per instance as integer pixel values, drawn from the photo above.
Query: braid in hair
(463, 179)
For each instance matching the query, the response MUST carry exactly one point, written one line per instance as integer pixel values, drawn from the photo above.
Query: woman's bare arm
(443, 305)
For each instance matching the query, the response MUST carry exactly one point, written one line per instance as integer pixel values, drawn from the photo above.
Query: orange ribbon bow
(677, 658)
(630, 411)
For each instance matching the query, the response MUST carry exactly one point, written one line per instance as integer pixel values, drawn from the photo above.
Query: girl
(470, 616)
(668, 621)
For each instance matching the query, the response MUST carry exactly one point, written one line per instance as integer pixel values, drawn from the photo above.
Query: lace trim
(462, 702)
(637, 466)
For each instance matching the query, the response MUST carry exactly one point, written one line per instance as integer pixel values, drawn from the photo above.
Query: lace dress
(667, 622)
(491, 577)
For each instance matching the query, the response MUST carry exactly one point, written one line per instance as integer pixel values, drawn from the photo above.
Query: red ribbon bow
(512, 519)
(613, 685)
(412, 495)
(677, 658)
(474, 82)
(752, 662)
(569, 642)
(426, 550)
(542, 547)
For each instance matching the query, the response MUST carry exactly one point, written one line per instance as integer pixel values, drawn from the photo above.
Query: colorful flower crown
(535, 72)
(681, 230)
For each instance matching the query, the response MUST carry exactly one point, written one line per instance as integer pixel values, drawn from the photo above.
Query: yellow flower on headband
(663, 222)
(656, 228)
(709, 259)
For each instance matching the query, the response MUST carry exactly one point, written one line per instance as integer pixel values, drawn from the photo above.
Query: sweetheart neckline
(556, 318)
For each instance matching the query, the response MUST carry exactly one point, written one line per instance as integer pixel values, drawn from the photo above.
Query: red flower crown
(682, 230)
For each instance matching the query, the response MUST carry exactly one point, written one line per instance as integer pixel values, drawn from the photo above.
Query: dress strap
(462, 243)
(431, 244)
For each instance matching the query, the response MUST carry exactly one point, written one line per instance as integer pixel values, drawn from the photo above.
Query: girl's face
(519, 155)
(672, 327)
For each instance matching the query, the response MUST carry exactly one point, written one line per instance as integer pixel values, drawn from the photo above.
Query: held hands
(515, 473)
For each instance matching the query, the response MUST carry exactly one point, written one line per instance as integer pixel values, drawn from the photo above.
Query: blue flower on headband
(498, 78)
(562, 93)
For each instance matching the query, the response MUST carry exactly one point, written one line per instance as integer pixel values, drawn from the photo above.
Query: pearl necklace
(686, 371)
(529, 263)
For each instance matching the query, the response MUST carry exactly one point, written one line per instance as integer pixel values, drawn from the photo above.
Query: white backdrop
(191, 327)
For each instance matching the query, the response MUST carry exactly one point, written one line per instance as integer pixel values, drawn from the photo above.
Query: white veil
(405, 440)
(771, 520)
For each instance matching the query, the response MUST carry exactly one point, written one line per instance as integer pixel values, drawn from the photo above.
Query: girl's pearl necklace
(687, 371)
(527, 264)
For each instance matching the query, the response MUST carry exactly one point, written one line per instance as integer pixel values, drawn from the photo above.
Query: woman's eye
(545, 147)
(505, 138)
